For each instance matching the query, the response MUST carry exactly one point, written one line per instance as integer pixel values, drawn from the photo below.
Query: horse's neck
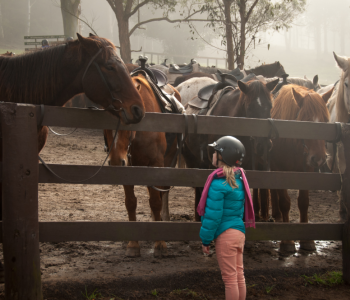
(53, 85)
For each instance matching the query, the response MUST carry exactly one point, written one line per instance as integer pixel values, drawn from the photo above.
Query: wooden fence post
(20, 202)
(345, 198)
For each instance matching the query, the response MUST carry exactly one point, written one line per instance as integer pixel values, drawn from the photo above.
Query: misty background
(305, 49)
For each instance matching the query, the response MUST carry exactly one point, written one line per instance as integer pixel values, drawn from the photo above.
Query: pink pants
(229, 251)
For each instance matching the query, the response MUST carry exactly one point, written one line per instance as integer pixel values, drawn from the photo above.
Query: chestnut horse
(296, 155)
(146, 149)
(252, 100)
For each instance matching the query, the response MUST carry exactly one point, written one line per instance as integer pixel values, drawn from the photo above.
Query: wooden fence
(21, 173)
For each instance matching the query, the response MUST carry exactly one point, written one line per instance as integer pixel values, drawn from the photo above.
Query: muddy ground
(67, 268)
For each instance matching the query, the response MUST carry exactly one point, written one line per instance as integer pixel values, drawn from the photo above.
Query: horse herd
(91, 66)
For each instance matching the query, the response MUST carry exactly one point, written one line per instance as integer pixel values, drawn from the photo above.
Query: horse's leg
(339, 167)
(284, 203)
(276, 213)
(155, 201)
(264, 202)
(256, 204)
(165, 206)
(303, 205)
(196, 202)
(133, 248)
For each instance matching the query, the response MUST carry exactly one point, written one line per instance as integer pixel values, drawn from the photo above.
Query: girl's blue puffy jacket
(224, 209)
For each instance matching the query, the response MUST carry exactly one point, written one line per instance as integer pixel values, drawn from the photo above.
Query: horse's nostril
(123, 162)
(137, 112)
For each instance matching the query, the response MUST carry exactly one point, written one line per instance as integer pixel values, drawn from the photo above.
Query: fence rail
(185, 177)
(82, 118)
(21, 174)
(176, 231)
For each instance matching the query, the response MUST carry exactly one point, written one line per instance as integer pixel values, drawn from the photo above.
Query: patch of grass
(187, 292)
(328, 279)
(251, 285)
(268, 289)
(93, 296)
(154, 293)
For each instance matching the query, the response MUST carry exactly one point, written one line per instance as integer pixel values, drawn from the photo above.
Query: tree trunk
(123, 29)
(229, 35)
(70, 14)
(242, 13)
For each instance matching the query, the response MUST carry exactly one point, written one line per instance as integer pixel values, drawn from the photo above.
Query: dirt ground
(67, 268)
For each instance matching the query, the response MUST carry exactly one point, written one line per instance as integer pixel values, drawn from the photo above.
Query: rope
(92, 176)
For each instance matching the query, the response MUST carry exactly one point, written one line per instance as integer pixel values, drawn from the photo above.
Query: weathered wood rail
(21, 173)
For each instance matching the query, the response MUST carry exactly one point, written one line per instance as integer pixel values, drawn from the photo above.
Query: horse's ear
(298, 97)
(327, 95)
(315, 80)
(91, 34)
(342, 62)
(305, 77)
(272, 84)
(243, 87)
(88, 44)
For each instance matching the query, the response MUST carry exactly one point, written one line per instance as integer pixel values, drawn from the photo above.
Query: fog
(305, 49)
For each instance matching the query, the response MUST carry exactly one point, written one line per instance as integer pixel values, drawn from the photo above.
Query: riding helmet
(231, 149)
(44, 43)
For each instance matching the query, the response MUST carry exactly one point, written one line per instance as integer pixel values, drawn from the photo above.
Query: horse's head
(344, 87)
(256, 98)
(119, 156)
(301, 104)
(257, 101)
(106, 80)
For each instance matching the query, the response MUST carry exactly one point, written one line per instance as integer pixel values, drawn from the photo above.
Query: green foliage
(268, 289)
(93, 296)
(154, 293)
(256, 17)
(328, 279)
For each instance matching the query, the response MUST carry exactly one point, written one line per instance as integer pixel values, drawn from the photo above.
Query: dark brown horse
(252, 100)
(146, 149)
(54, 76)
(268, 70)
(301, 104)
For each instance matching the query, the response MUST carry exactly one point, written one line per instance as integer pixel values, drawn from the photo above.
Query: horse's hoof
(160, 252)
(132, 252)
(287, 247)
(308, 245)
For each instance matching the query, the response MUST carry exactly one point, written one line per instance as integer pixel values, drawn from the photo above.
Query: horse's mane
(36, 77)
(341, 110)
(285, 106)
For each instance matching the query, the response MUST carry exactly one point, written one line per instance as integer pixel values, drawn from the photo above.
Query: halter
(110, 106)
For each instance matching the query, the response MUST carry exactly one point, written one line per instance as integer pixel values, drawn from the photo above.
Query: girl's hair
(230, 176)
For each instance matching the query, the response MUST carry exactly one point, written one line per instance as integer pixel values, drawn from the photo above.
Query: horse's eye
(109, 68)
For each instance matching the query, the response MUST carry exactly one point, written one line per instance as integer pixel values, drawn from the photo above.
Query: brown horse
(54, 76)
(268, 70)
(146, 149)
(252, 100)
(296, 155)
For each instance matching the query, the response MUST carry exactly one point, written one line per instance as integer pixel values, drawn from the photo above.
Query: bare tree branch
(251, 9)
(137, 7)
(187, 19)
(207, 41)
(80, 19)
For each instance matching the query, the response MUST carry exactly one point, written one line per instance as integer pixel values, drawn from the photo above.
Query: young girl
(225, 199)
